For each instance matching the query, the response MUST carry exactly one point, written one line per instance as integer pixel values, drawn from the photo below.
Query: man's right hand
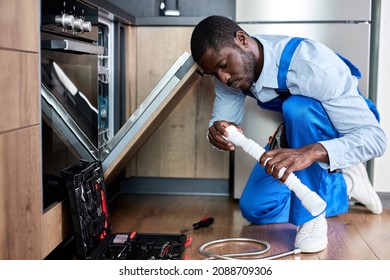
(216, 133)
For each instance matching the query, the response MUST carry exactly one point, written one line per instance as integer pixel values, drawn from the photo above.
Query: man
(330, 128)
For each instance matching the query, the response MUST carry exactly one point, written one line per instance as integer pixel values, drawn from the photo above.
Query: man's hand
(216, 133)
(292, 159)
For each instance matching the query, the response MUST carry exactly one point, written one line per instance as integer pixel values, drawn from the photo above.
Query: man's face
(233, 66)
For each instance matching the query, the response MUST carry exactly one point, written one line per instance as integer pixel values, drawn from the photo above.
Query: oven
(69, 89)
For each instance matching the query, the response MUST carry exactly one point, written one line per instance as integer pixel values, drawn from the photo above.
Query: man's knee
(265, 212)
(306, 121)
(301, 110)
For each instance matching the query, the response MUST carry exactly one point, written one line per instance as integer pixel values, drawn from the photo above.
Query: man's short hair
(215, 32)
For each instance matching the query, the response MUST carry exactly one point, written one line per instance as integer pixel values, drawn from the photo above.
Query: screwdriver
(128, 242)
(205, 222)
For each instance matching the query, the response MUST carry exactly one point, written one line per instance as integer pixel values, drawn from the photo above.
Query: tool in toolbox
(128, 242)
(205, 222)
(92, 226)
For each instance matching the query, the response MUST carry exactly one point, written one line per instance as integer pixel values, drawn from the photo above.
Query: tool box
(92, 227)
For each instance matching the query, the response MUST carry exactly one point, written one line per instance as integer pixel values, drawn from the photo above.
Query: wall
(381, 165)
(20, 170)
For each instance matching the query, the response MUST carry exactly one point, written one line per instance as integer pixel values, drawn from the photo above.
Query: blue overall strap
(285, 61)
(284, 64)
(356, 72)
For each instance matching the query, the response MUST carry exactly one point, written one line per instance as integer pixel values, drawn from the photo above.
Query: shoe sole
(313, 248)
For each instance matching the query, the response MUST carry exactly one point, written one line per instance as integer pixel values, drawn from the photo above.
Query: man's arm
(320, 74)
(228, 110)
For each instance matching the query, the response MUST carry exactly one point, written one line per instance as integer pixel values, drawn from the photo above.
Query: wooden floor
(356, 235)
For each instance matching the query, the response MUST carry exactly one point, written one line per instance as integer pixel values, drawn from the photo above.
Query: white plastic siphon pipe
(310, 200)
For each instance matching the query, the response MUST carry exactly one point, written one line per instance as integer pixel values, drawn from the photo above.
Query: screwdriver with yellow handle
(205, 222)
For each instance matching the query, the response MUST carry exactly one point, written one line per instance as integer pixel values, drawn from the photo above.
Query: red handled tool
(205, 222)
(128, 242)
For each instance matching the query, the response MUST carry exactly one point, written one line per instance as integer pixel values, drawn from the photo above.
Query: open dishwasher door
(149, 114)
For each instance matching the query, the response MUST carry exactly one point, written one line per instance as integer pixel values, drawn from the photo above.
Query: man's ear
(242, 38)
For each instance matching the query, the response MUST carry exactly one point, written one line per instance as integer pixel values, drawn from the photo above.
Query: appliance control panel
(70, 22)
(71, 17)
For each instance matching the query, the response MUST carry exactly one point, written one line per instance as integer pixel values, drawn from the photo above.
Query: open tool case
(92, 227)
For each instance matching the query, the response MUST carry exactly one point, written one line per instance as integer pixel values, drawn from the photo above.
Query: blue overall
(264, 200)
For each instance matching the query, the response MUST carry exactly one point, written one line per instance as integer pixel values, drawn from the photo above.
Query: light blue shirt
(317, 72)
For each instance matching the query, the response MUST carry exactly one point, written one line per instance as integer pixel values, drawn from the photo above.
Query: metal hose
(243, 255)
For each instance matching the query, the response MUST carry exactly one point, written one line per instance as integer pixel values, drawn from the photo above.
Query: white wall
(382, 165)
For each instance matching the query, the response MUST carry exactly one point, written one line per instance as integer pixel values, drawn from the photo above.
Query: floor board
(356, 235)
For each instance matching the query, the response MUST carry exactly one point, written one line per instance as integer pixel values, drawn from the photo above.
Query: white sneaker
(312, 236)
(359, 187)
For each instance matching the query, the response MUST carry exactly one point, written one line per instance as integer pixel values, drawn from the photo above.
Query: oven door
(69, 72)
(69, 92)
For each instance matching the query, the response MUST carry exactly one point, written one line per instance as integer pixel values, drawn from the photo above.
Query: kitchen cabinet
(178, 148)
(20, 164)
